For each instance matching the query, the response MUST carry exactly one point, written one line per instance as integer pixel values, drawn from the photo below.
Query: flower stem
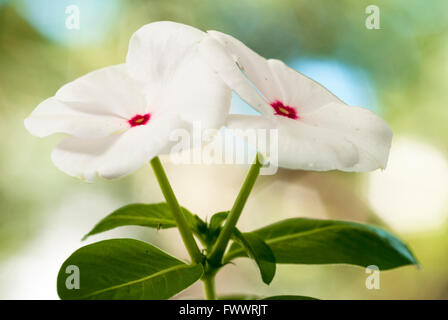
(217, 252)
(182, 225)
(209, 287)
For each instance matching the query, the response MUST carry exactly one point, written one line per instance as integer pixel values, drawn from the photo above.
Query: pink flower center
(285, 111)
(139, 120)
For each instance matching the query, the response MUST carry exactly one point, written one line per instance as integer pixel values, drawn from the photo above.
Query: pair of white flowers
(120, 117)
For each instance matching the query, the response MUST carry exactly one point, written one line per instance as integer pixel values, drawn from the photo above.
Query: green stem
(209, 287)
(220, 246)
(182, 225)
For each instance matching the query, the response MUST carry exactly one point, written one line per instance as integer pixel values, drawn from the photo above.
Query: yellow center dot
(283, 110)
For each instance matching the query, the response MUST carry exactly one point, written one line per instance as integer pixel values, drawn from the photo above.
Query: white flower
(120, 117)
(316, 131)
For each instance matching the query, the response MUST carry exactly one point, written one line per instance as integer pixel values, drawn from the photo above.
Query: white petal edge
(264, 80)
(117, 155)
(165, 56)
(156, 48)
(371, 134)
(224, 63)
(302, 146)
(92, 106)
(53, 116)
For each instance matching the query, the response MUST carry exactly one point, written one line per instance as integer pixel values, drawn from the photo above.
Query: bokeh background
(399, 71)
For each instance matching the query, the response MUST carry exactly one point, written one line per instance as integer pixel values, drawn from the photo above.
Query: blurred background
(399, 71)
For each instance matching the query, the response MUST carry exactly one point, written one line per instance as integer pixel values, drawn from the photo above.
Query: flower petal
(116, 155)
(54, 116)
(299, 91)
(269, 79)
(302, 146)
(165, 56)
(94, 105)
(369, 133)
(157, 48)
(229, 57)
(328, 134)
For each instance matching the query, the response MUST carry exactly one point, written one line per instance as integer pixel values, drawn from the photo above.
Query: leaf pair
(131, 269)
(293, 241)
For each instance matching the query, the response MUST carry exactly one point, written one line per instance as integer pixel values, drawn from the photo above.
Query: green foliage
(126, 269)
(254, 246)
(216, 222)
(157, 215)
(208, 233)
(310, 241)
(131, 269)
(259, 251)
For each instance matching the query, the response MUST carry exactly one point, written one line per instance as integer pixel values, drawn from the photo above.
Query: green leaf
(124, 269)
(216, 221)
(213, 228)
(259, 251)
(198, 226)
(289, 298)
(310, 241)
(157, 215)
